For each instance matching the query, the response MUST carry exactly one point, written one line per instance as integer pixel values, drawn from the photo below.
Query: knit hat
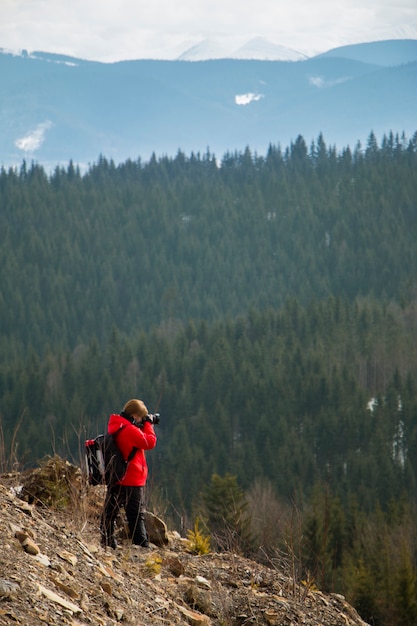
(135, 407)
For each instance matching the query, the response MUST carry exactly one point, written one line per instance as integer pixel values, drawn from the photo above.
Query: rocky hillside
(54, 571)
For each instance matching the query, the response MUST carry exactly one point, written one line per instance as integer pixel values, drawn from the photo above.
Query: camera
(153, 418)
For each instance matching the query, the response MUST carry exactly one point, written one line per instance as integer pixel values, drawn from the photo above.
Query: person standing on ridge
(135, 434)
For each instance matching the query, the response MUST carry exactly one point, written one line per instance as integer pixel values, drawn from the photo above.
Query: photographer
(134, 434)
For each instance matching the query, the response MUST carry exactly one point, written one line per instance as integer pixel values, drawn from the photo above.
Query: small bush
(153, 565)
(54, 484)
(198, 542)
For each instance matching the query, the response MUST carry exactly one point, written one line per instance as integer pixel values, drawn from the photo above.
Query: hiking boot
(109, 543)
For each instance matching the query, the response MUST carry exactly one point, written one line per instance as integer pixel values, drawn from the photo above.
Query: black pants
(132, 500)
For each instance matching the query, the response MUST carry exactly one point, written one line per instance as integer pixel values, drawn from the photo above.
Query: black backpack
(104, 461)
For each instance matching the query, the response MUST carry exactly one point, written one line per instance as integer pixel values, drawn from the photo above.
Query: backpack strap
(131, 455)
(133, 450)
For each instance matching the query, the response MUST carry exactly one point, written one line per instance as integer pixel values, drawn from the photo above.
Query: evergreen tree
(226, 510)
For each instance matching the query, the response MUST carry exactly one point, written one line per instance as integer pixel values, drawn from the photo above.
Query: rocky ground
(54, 571)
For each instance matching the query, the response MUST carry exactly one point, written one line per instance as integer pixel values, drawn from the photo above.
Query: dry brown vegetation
(54, 571)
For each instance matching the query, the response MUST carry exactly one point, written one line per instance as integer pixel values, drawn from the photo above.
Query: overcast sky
(111, 30)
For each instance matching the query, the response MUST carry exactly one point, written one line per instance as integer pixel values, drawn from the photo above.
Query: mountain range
(56, 108)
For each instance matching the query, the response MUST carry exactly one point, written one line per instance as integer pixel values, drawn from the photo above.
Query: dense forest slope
(274, 295)
(266, 305)
(138, 244)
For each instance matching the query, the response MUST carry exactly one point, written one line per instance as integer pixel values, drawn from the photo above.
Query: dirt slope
(54, 571)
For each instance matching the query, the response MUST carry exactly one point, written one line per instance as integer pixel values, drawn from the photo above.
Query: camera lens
(153, 418)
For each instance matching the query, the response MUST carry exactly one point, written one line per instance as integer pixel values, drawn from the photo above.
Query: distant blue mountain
(56, 108)
(387, 53)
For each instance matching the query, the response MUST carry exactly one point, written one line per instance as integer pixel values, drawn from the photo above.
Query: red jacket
(129, 437)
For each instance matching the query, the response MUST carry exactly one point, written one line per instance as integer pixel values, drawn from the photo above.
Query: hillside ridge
(55, 571)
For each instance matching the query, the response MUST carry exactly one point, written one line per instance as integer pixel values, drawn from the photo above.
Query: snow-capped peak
(205, 50)
(257, 48)
(264, 50)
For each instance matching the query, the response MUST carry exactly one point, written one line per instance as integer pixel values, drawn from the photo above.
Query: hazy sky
(110, 30)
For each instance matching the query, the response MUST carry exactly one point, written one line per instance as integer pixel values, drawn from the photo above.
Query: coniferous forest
(266, 306)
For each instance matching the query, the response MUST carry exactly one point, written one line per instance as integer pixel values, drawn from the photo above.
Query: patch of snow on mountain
(15, 52)
(316, 81)
(246, 98)
(319, 81)
(372, 404)
(34, 139)
(37, 56)
(57, 62)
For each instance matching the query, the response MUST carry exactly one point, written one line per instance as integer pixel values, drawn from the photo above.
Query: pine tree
(226, 512)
